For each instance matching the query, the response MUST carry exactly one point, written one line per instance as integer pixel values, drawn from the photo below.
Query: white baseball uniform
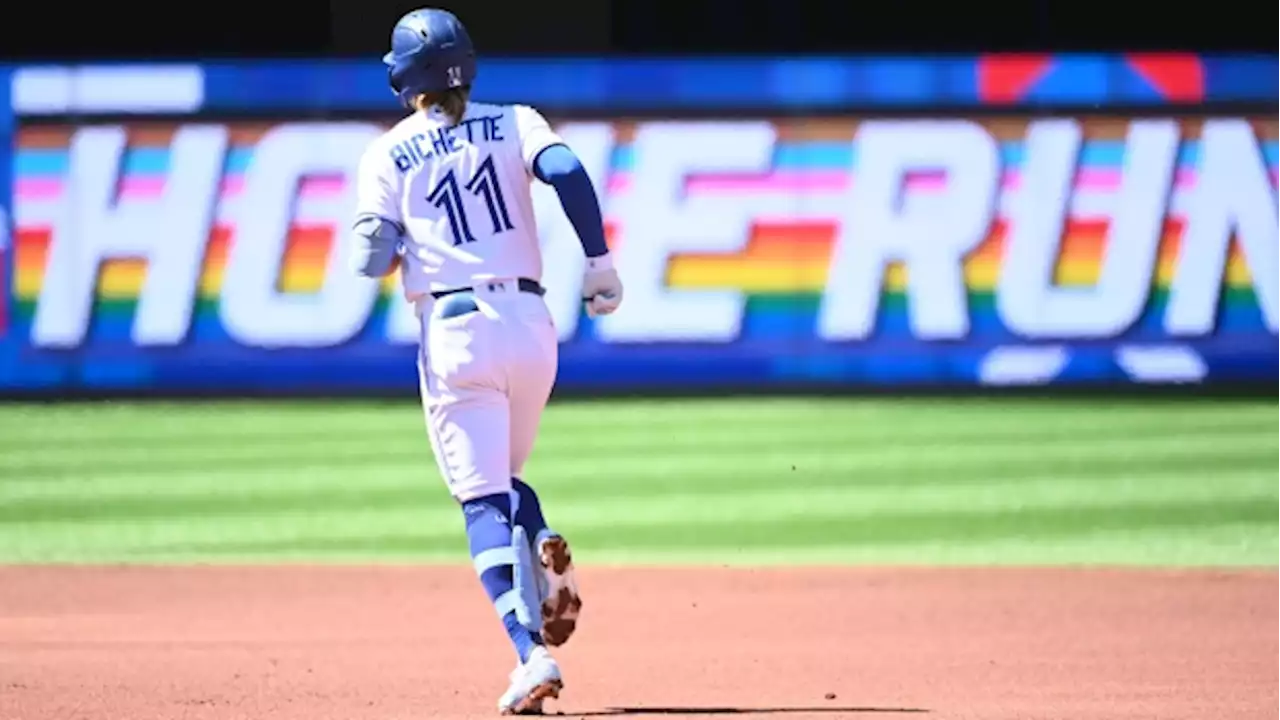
(462, 195)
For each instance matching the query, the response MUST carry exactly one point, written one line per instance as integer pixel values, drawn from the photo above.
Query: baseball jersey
(461, 193)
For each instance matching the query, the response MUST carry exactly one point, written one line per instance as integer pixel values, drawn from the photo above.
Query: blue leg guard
(503, 561)
(528, 509)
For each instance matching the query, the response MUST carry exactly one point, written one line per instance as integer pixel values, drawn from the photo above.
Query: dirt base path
(389, 643)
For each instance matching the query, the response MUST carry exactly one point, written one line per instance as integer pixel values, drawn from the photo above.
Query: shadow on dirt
(693, 711)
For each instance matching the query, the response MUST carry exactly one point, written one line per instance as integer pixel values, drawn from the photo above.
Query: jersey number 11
(484, 185)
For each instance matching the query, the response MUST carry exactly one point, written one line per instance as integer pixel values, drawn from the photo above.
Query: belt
(522, 284)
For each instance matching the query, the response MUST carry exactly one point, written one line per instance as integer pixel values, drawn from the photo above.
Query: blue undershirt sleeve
(558, 167)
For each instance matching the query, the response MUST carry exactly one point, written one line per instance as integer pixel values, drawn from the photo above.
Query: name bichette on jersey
(418, 148)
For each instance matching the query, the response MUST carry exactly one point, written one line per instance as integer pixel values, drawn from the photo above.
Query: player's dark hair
(452, 102)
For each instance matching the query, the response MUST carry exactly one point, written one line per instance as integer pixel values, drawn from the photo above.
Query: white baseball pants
(485, 378)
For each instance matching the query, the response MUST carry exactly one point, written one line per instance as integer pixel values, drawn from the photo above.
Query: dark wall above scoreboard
(134, 30)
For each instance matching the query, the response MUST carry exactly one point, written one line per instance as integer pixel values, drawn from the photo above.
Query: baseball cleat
(531, 683)
(561, 602)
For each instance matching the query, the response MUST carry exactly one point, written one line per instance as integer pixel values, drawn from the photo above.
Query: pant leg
(463, 381)
(531, 373)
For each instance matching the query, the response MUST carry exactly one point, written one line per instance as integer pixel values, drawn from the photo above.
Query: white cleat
(531, 683)
(561, 602)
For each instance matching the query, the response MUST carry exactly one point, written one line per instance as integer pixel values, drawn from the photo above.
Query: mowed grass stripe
(692, 505)
(646, 477)
(152, 423)
(1225, 544)
(1122, 526)
(136, 459)
(1122, 521)
(891, 465)
(1064, 455)
(203, 481)
(1239, 544)
(354, 448)
(869, 413)
(687, 517)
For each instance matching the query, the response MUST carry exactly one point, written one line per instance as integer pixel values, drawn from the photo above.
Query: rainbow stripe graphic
(784, 269)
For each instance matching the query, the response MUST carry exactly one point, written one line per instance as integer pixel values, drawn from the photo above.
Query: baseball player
(445, 195)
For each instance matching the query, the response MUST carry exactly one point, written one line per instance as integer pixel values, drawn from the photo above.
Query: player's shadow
(693, 711)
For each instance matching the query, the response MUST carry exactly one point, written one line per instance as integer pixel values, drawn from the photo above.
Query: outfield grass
(977, 481)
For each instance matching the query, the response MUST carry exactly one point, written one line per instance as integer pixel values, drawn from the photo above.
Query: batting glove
(601, 286)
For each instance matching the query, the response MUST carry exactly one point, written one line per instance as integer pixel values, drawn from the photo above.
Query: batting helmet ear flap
(396, 89)
(389, 60)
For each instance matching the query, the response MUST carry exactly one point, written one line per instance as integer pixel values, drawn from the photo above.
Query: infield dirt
(384, 643)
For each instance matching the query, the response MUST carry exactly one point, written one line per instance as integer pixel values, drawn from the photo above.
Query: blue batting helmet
(430, 52)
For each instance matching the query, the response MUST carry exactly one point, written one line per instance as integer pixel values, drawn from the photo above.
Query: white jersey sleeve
(378, 185)
(535, 134)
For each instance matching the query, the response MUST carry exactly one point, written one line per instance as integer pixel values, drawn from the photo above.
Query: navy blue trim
(803, 83)
(799, 84)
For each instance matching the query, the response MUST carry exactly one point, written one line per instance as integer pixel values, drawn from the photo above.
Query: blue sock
(528, 509)
(489, 536)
